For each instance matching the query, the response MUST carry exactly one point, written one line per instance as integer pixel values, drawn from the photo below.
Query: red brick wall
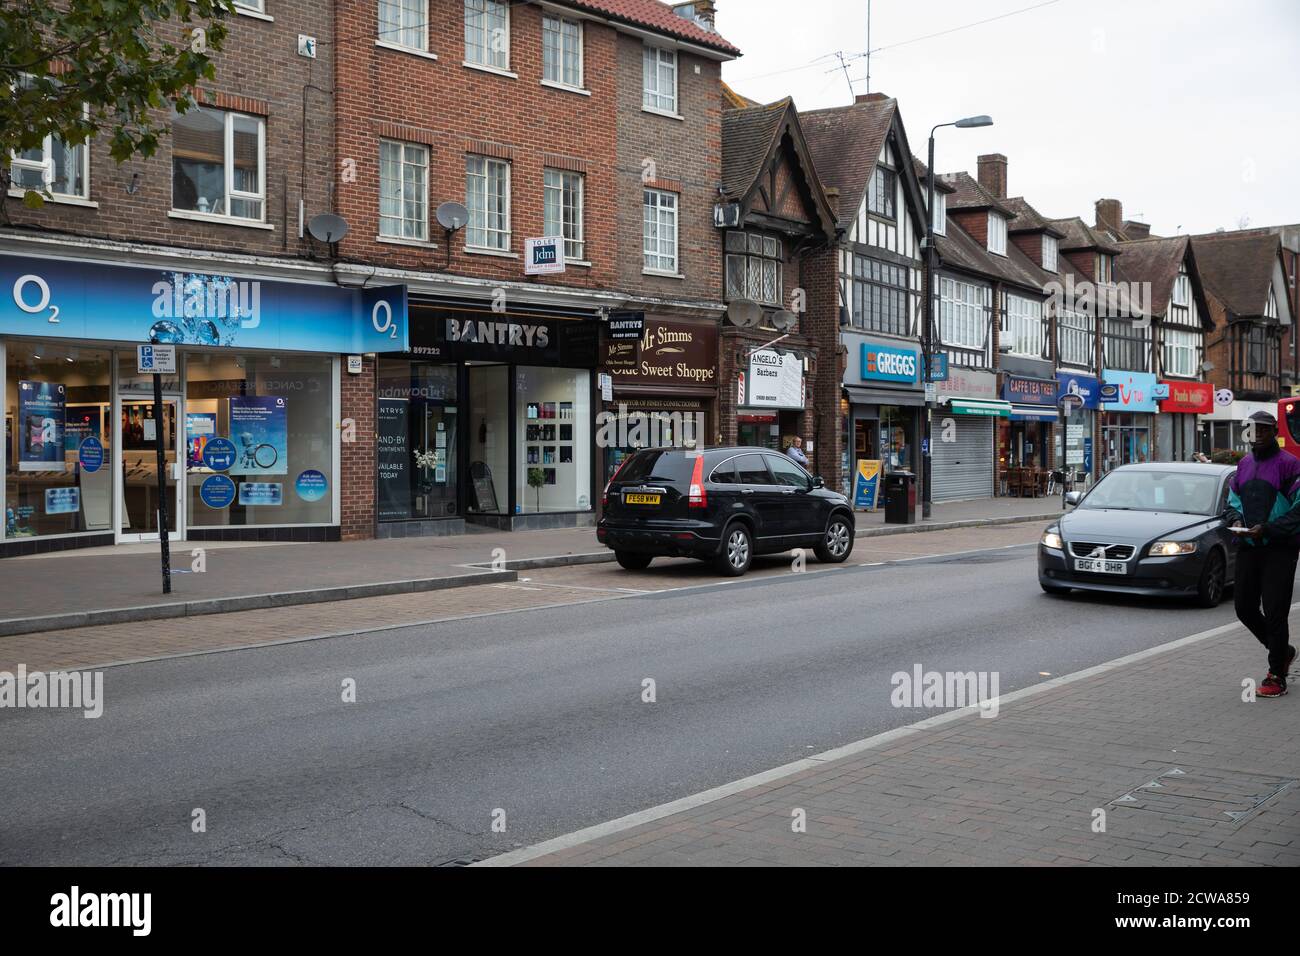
(456, 110)
(975, 222)
(820, 280)
(259, 71)
(357, 482)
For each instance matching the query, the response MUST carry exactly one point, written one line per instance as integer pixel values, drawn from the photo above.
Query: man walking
(795, 451)
(1264, 496)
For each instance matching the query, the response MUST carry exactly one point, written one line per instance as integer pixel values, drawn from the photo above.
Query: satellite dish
(745, 313)
(452, 216)
(785, 320)
(327, 228)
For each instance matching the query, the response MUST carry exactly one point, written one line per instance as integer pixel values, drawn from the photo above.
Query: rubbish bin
(900, 498)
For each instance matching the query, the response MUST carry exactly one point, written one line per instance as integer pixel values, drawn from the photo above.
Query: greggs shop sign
(1189, 398)
(882, 363)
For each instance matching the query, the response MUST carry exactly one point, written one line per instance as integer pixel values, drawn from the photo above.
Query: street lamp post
(927, 338)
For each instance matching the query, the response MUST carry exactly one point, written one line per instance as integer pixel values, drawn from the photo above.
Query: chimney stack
(993, 174)
(1110, 212)
(870, 98)
(706, 12)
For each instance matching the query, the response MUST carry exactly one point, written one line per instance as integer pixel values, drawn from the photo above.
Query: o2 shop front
(250, 420)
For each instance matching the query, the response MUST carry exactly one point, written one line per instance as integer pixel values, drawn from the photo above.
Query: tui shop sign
(88, 300)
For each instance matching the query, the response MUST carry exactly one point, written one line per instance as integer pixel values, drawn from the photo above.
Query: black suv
(723, 505)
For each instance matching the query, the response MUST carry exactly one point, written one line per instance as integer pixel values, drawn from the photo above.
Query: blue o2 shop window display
(264, 424)
(58, 477)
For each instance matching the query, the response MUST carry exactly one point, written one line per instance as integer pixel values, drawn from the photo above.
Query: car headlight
(1052, 540)
(1167, 549)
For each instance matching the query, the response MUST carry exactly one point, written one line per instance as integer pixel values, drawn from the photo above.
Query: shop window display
(417, 421)
(58, 462)
(554, 472)
(259, 442)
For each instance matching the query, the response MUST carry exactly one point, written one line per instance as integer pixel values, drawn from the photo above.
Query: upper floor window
(754, 267)
(487, 33)
(1126, 346)
(940, 217)
(404, 23)
(54, 166)
(1105, 267)
(219, 164)
(962, 319)
(1260, 346)
(562, 51)
(881, 296)
(997, 234)
(562, 210)
(257, 6)
(403, 190)
(1023, 326)
(882, 192)
(1049, 252)
(1076, 339)
(659, 75)
(487, 197)
(659, 231)
(1270, 306)
(1181, 351)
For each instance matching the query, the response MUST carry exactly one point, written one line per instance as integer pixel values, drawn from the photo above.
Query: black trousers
(1265, 578)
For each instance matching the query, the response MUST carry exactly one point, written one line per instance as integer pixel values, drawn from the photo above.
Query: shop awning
(979, 406)
(1034, 413)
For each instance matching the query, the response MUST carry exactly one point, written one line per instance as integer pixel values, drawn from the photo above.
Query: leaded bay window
(880, 295)
(754, 267)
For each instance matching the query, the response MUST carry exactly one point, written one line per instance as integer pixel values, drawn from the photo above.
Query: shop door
(138, 466)
(962, 468)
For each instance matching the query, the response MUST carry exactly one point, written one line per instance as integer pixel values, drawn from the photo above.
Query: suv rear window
(658, 465)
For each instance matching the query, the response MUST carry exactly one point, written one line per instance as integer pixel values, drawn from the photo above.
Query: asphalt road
(538, 714)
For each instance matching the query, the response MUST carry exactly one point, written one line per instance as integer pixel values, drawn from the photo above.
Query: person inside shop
(1264, 497)
(795, 451)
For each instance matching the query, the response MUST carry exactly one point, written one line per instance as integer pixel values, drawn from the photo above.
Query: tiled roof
(969, 194)
(1238, 268)
(845, 142)
(731, 100)
(747, 136)
(656, 16)
(959, 250)
(1155, 261)
(1079, 235)
(1028, 218)
(940, 184)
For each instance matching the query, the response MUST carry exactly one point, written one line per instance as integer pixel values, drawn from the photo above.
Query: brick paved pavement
(1022, 787)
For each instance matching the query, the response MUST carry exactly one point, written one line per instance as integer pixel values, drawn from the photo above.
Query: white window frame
(962, 314)
(1181, 348)
(1076, 341)
(940, 218)
(403, 27)
(997, 243)
(488, 9)
(256, 6)
(403, 167)
(1051, 251)
(232, 194)
(504, 234)
(548, 18)
(673, 261)
(1024, 326)
(652, 97)
(575, 246)
(46, 168)
(1105, 267)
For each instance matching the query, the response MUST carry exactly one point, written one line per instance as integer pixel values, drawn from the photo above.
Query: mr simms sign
(671, 353)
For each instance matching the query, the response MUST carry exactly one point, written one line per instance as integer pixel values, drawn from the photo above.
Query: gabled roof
(1238, 268)
(1156, 261)
(1028, 219)
(750, 137)
(969, 195)
(657, 17)
(845, 142)
(731, 100)
(1079, 235)
(959, 250)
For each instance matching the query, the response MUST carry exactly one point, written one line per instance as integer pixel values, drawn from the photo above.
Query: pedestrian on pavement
(795, 451)
(1264, 496)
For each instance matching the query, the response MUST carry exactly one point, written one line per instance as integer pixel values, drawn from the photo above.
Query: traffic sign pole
(162, 484)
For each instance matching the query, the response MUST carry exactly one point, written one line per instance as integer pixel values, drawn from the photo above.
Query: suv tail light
(698, 497)
(604, 495)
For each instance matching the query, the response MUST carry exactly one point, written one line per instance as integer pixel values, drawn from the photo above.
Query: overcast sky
(1184, 110)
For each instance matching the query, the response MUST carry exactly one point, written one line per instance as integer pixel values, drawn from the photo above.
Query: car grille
(1114, 552)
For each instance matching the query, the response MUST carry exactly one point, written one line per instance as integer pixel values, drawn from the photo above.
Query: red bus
(1288, 424)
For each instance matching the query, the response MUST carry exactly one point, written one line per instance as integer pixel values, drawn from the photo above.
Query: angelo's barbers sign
(671, 353)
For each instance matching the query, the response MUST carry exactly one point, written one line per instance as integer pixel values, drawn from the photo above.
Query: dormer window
(1270, 307)
(997, 234)
(1049, 253)
(940, 213)
(1105, 267)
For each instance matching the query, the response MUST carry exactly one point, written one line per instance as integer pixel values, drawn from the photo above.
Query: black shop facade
(487, 419)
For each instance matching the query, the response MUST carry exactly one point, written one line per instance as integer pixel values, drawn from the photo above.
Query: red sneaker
(1272, 686)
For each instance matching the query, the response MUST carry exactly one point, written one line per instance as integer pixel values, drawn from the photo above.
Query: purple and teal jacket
(1268, 493)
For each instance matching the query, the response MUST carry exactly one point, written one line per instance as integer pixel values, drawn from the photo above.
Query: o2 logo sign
(33, 287)
(387, 324)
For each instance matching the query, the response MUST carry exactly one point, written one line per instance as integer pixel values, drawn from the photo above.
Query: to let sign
(544, 256)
